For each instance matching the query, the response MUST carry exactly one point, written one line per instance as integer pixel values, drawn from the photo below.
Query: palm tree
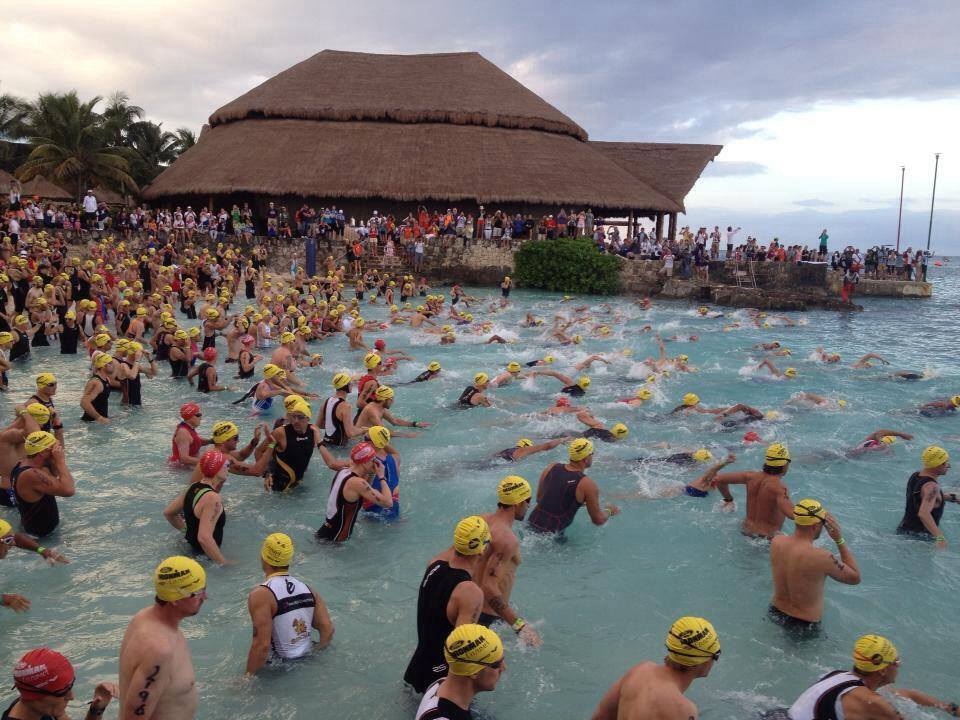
(154, 148)
(185, 140)
(13, 116)
(70, 145)
(119, 116)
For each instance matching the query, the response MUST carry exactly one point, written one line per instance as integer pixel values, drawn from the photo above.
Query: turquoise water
(601, 601)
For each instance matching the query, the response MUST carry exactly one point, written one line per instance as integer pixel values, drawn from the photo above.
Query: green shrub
(567, 265)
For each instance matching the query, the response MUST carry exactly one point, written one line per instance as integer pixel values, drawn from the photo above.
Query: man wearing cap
(292, 444)
(46, 389)
(652, 690)
(925, 498)
(335, 417)
(474, 655)
(475, 395)
(852, 694)
(525, 448)
(498, 572)
(432, 371)
(564, 488)
(574, 388)
(186, 440)
(198, 512)
(157, 679)
(352, 486)
(283, 609)
(283, 358)
(95, 400)
(37, 482)
(378, 410)
(449, 596)
(937, 408)
(800, 568)
(368, 384)
(768, 499)
(225, 437)
(43, 679)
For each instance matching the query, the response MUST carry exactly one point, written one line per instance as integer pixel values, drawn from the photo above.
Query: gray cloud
(726, 168)
(814, 203)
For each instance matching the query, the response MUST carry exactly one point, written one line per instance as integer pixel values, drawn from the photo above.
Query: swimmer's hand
(17, 603)
(529, 636)
(103, 421)
(103, 693)
(612, 509)
(833, 528)
(729, 459)
(728, 507)
(54, 558)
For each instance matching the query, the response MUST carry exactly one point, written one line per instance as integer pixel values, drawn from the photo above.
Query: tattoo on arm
(498, 604)
(143, 694)
(836, 561)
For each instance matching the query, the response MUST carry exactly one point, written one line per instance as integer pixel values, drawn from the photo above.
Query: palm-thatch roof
(5, 179)
(43, 188)
(671, 168)
(457, 88)
(449, 126)
(108, 196)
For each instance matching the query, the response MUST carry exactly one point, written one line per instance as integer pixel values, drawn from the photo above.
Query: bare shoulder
(146, 638)
(862, 702)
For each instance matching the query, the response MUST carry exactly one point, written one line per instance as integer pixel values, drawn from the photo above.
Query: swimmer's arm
(896, 433)
(608, 709)
(928, 502)
(182, 441)
(382, 497)
(259, 607)
(591, 498)
(321, 620)
(210, 510)
(860, 702)
(173, 512)
(148, 684)
(467, 600)
(86, 402)
(400, 422)
(330, 461)
(540, 481)
(733, 478)
(921, 698)
(491, 584)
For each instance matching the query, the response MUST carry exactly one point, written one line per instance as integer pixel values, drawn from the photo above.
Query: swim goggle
(8, 540)
(63, 692)
(686, 643)
(494, 665)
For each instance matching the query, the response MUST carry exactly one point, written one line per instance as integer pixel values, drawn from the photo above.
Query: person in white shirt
(731, 233)
(89, 209)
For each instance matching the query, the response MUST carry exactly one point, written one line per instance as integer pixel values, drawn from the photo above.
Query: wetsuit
(425, 375)
(196, 442)
(131, 387)
(341, 514)
(39, 517)
(178, 368)
(574, 390)
(203, 384)
(39, 338)
(428, 664)
(287, 468)
(196, 491)
(69, 337)
(600, 434)
(244, 374)
(392, 476)
(163, 350)
(910, 524)
(683, 458)
(437, 708)
(466, 396)
(48, 425)
(507, 454)
(824, 699)
(334, 432)
(21, 348)
(101, 403)
(558, 505)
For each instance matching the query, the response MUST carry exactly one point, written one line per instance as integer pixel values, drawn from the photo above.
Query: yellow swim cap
(224, 430)
(580, 449)
(888, 439)
(193, 332)
(290, 400)
(360, 322)
(692, 641)
(38, 441)
(270, 371)
(619, 431)
(873, 652)
(44, 379)
(513, 367)
(481, 378)
(277, 550)
(102, 340)
(301, 407)
(577, 339)
(548, 359)
(447, 328)
(513, 490)
(6, 337)
(102, 360)
(644, 394)
(341, 380)
(777, 455)
(39, 412)
(471, 536)
(683, 358)
(371, 360)
(809, 512)
(583, 382)
(379, 436)
(703, 455)
(790, 372)
(178, 577)
(955, 401)
(524, 442)
(180, 335)
(651, 378)
(434, 366)
(287, 337)
(841, 403)
(691, 399)
(703, 310)
(384, 392)
(771, 415)
(470, 648)
(5, 528)
(934, 456)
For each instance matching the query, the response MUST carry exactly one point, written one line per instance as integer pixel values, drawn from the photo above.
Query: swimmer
(474, 656)
(564, 488)
(598, 430)
(157, 679)
(853, 694)
(936, 408)
(864, 362)
(800, 568)
(691, 404)
(198, 512)
(699, 488)
(769, 346)
(378, 410)
(475, 394)
(46, 389)
(649, 690)
(380, 437)
(43, 679)
(500, 564)
(513, 372)
(186, 440)
(530, 321)
(768, 499)
(432, 371)
(810, 399)
(590, 360)
(368, 383)
(908, 375)
(381, 347)
(576, 388)
(525, 448)
(38, 480)
(826, 357)
(879, 440)
(283, 609)
(789, 373)
(350, 487)
(925, 499)
(335, 418)
(547, 360)
(292, 446)
(283, 358)
(206, 373)
(642, 396)
(95, 400)
(562, 407)
(687, 458)
(449, 596)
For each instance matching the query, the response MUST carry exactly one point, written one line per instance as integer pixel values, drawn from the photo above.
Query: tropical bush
(572, 265)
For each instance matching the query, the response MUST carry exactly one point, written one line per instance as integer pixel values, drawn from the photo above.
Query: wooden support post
(630, 227)
(659, 226)
(672, 232)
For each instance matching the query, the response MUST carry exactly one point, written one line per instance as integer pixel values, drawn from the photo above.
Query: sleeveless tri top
(333, 431)
(68, 340)
(196, 442)
(823, 700)
(558, 505)
(392, 476)
(291, 625)
(341, 514)
(131, 388)
(203, 383)
(40, 517)
(101, 403)
(289, 465)
(428, 664)
(196, 491)
(438, 708)
(911, 514)
(466, 396)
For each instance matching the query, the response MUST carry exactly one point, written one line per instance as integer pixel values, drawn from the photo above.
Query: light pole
(903, 172)
(933, 196)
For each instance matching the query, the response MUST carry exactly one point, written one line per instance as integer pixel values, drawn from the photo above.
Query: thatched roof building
(366, 131)
(108, 196)
(45, 190)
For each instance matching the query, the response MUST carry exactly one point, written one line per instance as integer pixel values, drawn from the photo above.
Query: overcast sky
(817, 103)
